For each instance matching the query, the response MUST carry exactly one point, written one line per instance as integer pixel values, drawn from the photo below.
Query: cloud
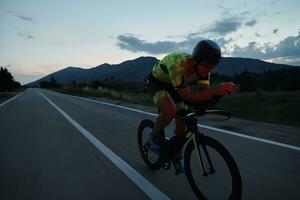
(231, 24)
(25, 18)
(215, 31)
(225, 26)
(250, 51)
(251, 23)
(135, 44)
(20, 16)
(287, 49)
(275, 30)
(26, 36)
(277, 13)
(290, 46)
(287, 60)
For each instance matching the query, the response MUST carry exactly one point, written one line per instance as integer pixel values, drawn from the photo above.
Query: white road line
(252, 138)
(139, 180)
(9, 100)
(202, 126)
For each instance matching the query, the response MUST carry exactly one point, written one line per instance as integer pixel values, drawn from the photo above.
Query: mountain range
(139, 68)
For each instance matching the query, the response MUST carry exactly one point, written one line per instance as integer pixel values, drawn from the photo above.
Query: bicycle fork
(199, 156)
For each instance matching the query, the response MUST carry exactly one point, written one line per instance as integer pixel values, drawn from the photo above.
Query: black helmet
(207, 51)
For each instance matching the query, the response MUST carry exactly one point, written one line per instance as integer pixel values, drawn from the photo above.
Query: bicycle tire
(236, 190)
(146, 124)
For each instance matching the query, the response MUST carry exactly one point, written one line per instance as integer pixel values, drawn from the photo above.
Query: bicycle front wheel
(211, 170)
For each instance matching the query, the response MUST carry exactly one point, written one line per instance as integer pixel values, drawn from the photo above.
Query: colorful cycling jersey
(172, 69)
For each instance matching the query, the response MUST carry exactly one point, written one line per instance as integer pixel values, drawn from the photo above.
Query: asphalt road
(45, 154)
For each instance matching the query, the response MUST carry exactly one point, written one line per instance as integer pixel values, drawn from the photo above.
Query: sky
(39, 37)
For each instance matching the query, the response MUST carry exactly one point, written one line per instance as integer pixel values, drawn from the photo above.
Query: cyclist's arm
(206, 95)
(191, 96)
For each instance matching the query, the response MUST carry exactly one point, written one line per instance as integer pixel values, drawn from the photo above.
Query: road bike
(204, 157)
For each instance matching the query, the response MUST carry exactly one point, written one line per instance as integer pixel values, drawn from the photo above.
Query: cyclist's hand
(225, 88)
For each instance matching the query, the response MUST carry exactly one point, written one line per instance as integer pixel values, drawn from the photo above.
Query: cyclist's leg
(179, 139)
(180, 127)
(180, 123)
(167, 108)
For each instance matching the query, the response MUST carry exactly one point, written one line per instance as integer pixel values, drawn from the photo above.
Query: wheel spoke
(199, 156)
(211, 167)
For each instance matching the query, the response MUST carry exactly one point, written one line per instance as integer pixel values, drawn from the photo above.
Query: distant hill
(231, 66)
(137, 69)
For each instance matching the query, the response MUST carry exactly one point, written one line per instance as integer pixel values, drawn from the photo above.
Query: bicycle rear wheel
(223, 180)
(150, 158)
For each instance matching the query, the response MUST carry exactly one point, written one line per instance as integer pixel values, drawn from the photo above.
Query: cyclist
(167, 85)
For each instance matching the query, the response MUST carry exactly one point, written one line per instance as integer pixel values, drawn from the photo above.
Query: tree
(44, 84)
(95, 84)
(54, 83)
(73, 84)
(247, 81)
(7, 80)
(82, 84)
(50, 84)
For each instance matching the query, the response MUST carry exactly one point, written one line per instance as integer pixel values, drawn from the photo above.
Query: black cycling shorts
(154, 86)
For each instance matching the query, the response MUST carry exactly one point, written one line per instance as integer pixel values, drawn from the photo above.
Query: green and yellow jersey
(172, 70)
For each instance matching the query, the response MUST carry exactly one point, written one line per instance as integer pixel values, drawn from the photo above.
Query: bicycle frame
(193, 134)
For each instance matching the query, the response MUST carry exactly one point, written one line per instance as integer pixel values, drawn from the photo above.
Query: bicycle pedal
(166, 165)
(145, 147)
(205, 174)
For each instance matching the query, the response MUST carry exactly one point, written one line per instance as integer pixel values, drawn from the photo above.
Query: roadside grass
(130, 97)
(6, 95)
(278, 107)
